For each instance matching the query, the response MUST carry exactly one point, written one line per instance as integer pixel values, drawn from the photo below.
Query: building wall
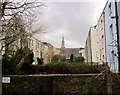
(49, 52)
(88, 48)
(35, 45)
(82, 53)
(94, 43)
(119, 27)
(45, 53)
(86, 52)
(56, 51)
(119, 17)
(102, 38)
(111, 36)
(40, 49)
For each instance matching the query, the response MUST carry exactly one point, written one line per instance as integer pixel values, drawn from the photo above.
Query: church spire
(63, 43)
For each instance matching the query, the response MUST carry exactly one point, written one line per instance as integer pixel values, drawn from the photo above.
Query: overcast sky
(71, 20)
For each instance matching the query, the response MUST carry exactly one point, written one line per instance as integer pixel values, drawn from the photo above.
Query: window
(103, 56)
(110, 9)
(111, 32)
(102, 36)
(102, 41)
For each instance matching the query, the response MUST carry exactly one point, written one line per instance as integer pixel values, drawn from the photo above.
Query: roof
(68, 51)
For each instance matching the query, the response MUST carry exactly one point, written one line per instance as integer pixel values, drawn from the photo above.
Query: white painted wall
(94, 44)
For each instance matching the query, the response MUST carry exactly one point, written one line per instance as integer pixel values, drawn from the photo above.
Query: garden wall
(59, 84)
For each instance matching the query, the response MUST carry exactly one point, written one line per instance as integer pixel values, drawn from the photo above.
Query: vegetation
(74, 60)
(11, 59)
(65, 68)
(27, 62)
(71, 57)
(79, 59)
(40, 61)
(56, 58)
(17, 18)
(8, 63)
(12, 64)
(60, 65)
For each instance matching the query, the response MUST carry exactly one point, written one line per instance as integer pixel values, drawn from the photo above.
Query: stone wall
(87, 84)
(61, 84)
(28, 85)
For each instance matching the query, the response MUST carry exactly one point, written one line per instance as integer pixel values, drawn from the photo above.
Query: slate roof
(68, 51)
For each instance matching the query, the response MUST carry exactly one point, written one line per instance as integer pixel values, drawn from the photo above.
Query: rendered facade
(111, 36)
(102, 39)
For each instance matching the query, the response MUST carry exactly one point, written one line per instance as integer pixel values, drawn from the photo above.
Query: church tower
(63, 43)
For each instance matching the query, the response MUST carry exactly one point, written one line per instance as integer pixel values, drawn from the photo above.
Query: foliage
(10, 60)
(79, 59)
(17, 17)
(40, 60)
(8, 63)
(71, 57)
(27, 61)
(65, 68)
(55, 58)
(58, 58)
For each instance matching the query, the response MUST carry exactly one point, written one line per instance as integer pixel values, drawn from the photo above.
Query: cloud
(69, 19)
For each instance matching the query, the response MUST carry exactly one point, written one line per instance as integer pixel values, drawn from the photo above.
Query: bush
(40, 60)
(79, 59)
(8, 63)
(58, 58)
(66, 68)
(11, 58)
(71, 57)
(26, 66)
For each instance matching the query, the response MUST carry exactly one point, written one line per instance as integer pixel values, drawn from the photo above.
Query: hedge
(65, 68)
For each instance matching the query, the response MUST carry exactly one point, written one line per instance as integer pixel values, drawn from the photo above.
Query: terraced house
(111, 35)
(91, 47)
(107, 37)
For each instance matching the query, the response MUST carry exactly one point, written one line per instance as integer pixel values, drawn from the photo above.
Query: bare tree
(17, 18)
(13, 13)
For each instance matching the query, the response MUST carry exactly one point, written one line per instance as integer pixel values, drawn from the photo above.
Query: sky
(71, 19)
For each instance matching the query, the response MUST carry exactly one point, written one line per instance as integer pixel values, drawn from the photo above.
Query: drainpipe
(118, 40)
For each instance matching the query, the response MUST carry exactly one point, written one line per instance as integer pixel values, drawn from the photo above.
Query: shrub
(27, 62)
(40, 60)
(8, 63)
(66, 68)
(79, 59)
(71, 57)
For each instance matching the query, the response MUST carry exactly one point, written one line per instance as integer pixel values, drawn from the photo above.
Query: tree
(27, 62)
(57, 58)
(11, 60)
(18, 16)
(40, 61)
(71, 57)
(9, 63)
